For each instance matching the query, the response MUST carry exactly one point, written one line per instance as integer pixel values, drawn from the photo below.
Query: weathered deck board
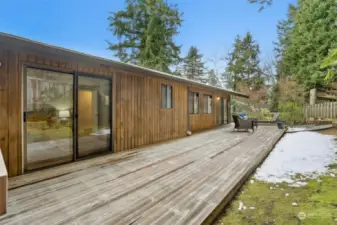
(179, 182)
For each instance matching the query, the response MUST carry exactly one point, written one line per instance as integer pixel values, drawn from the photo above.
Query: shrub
(263, 114)
(291, 113)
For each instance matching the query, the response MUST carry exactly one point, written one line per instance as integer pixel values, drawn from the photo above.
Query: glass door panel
(48, 115)
(225, 115)
(94, 115)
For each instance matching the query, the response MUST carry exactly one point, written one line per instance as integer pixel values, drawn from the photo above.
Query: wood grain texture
(3, 185)
(202, 121)
(178, 182)
(4, 104)
(138, 118)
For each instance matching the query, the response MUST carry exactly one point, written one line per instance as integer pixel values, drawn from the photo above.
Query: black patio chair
(243, 124)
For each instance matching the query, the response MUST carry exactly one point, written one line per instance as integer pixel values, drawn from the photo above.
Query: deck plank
(178, 182)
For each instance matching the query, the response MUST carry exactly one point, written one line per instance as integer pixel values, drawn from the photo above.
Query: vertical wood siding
(202, 121)
(138, 118)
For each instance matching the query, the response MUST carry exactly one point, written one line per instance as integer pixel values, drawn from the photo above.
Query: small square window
(166, 96)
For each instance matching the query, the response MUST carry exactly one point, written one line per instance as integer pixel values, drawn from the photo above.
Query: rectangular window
(166, 96)
(207, 104)
(193, 102)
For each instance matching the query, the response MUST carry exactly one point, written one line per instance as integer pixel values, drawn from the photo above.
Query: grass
(273, 203)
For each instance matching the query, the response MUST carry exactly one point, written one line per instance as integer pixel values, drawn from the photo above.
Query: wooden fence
(322, 111)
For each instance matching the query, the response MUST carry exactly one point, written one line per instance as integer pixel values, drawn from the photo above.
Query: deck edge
(227, 199)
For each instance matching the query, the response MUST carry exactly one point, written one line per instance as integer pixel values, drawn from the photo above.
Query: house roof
(139, 68)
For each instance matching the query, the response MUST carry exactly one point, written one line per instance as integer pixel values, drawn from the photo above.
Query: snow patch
(304, 153)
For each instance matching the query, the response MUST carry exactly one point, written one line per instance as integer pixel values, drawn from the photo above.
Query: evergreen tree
(212, 78)
(330, 63)
(145, 30)
(263, 3)
(194, 65)
(284, 28)
(228, 80)
(243, 61)
(314, 33)
(274, 98)
(178, 70)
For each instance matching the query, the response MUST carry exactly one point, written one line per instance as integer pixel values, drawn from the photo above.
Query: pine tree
(228, 80)
(263, 3)
(178, 71)
(274, 98)
(330, 63)
(212, 78)
(194, 65)
(284, 28)
(314, 33)
(243, 61)
(145, 30)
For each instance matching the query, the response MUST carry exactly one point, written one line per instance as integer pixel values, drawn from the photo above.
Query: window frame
(195, 94)
(209, 104)
(167, 94)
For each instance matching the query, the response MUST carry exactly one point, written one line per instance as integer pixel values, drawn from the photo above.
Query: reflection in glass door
(94, 115)
(48, 113)
(224, 117)
(50, 117)
(225, 111)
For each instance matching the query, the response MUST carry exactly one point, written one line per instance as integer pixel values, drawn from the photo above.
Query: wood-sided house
(58, 105)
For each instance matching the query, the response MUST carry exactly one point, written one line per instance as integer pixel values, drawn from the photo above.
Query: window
(207, 104)
(193, 103)
(166, 96)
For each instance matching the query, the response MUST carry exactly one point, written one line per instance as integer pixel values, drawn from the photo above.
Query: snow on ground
(296, 129)
(305, 153)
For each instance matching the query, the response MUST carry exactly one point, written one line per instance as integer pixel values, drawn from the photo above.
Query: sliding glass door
(224, 114)
(48, 117)
(94, 115)
(66, 117)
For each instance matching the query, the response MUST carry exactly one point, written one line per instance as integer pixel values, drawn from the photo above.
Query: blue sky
(81, 25)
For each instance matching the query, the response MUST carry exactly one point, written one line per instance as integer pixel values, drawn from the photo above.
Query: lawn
(312, 200)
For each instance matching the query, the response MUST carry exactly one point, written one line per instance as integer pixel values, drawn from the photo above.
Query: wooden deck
(184, 181)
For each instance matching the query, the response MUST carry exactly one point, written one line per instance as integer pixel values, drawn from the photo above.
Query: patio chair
(243, 124)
